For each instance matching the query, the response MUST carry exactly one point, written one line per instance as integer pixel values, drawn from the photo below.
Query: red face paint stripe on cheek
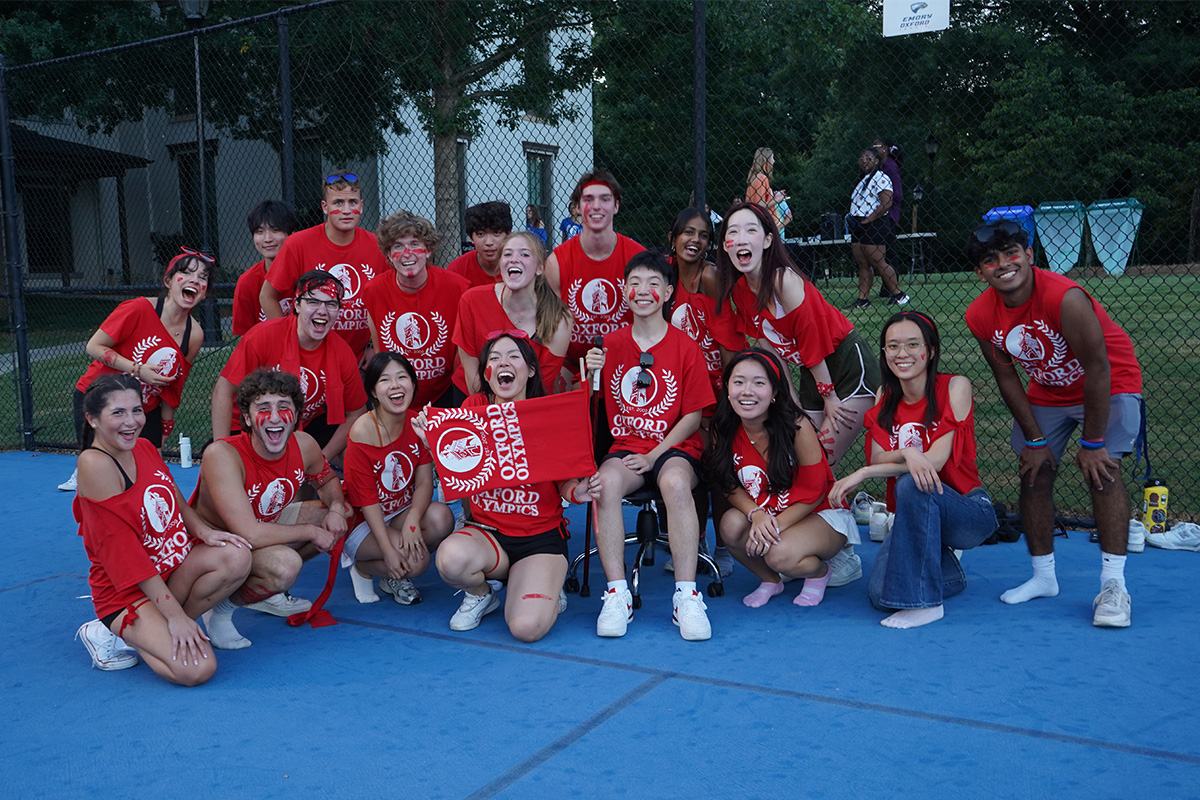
(487, 373)
(632, 294)
(261, 418)
(655, 295)
(356, 211)
(287, 415)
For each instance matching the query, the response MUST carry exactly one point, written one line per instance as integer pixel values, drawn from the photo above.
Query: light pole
(195, 11)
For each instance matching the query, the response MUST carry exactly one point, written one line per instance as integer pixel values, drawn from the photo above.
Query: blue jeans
(916, 566)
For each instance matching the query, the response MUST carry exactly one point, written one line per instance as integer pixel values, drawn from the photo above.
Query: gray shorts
(1059, 422)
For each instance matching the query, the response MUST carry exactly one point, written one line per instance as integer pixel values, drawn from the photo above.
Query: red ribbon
(317, 616)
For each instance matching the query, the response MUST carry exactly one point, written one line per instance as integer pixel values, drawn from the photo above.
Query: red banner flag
(511, 444)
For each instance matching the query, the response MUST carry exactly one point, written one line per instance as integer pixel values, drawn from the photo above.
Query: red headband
(331, 287)
(770, 362)
(605, 184)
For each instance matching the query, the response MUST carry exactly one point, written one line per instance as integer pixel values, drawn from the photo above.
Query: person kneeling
(764, 454)
(249, 483)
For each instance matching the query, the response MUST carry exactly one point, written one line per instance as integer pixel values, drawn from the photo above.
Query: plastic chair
(649, 532)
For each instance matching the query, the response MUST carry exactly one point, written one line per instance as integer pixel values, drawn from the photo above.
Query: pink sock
(814, 590)
(762, 594)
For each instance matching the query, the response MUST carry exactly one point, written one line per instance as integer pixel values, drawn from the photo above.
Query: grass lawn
(1161, 314)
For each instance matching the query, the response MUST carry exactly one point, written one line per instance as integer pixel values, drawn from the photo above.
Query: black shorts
(878, 232)
(553, 542)
(674, 452)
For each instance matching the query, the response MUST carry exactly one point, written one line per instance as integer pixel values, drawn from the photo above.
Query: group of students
(686, 403)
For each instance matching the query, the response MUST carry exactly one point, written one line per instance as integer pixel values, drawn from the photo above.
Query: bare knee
(233, 563)
(437, 523)
(278, 567)
(734, 528)
(453, 557)
(529, 627)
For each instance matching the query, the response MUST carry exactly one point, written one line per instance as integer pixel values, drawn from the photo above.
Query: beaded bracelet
(824, 389)
(135, 369)
(750, 513)
(1036, 444)
(1092, 444)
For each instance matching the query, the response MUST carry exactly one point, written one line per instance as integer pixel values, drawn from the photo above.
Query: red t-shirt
(419, 326)
(139, 335)
(1032, 335)
(960, 471)
(247, 309)
(331, 366)
(271, 484)
(696, 315)
(480, 313)
(519, 510)
(355, 265)
(805, 336)
(134, 535)
(641, 418)
(810, 483)
(384, 475)
(594, 291)
(467, 265)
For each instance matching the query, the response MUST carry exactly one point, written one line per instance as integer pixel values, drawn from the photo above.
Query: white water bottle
(185, 452)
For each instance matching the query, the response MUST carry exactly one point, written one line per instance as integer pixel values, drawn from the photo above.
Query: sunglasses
(644, 379)
(349, 177)
(984, 235)
(188, 251)
(512, 334)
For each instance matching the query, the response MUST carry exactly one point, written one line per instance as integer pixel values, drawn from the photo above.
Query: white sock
(222, 634)
(1112, 568)
(687, 587)
(620, 586)
(1042, 584)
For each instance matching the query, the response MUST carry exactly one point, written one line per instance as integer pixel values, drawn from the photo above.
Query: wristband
(1036, 444)
(824, 389)
(571, 494)
(1092, 444)
(135, 369)
(168, 425)
(750, 513)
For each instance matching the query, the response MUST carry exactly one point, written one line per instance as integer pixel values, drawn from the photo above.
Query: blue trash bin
(1060, 230)
(1114, 225)
(1023, 215)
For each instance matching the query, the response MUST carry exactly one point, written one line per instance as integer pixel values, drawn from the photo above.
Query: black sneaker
(861, 302)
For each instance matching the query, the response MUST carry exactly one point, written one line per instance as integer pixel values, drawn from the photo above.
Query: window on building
(48, 245)
(539, 174)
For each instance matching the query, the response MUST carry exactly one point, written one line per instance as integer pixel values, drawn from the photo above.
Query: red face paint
(356, 211)
(261, 418)
(287, 415)
(487, 373)
(632, 294)
(921, 356)
(654, 294)
(728, 243)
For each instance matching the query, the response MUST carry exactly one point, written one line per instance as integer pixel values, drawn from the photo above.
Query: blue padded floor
(1024, 701)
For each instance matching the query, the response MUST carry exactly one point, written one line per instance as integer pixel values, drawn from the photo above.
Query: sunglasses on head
(985, 234)
(511, 333)
(349, 177)
(644, 379)
(188, 251)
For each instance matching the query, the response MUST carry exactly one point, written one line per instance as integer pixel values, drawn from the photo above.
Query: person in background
(271, 222)
(534, 224)
(487, 226)
(783, 214)
(891, 158)
(758, 181)
(871, 229)
(571, 226)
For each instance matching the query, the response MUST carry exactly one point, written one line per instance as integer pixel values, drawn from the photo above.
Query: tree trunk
(446, 97)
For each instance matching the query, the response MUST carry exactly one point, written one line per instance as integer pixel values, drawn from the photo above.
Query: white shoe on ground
(845, 567)
(105, 647)
(402, 591)
(615, 614)
(474, 607)
(281, 605)
(688, 613)
(1113, 606)
(70, 485)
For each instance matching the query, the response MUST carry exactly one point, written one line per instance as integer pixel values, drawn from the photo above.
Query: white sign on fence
(902, 17)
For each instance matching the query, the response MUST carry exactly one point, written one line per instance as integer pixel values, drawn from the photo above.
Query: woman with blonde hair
(522, 301)
(758, 181)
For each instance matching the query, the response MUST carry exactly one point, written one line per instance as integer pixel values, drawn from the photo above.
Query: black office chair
(649, 532)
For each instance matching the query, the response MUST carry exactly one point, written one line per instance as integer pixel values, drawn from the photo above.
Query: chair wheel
(571, 585)
(637, 601)
(585, 591)
(716, 590)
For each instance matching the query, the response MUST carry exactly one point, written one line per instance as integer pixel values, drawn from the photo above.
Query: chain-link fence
(1080, 119)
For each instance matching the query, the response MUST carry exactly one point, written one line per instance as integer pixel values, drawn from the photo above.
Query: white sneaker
(688, 614)
(364, 586)
(281, 605)
(724, 561)
(403, 592)
(70, 485)
(615, 614)
(863, 507)
(473, 608)
(1137, 537)
(1113, 606)
(562, 600)
(845, 567)
(104, 646)
(881, 523)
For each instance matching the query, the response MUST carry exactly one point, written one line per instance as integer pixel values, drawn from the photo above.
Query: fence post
(699, 51)
(12, 262)
(287, 177)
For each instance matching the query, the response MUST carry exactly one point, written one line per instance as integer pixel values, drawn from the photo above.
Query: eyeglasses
(348, 177)
(188, 251)
(894, 348)
(332, 305)
(644, 379)
(1007, 227)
